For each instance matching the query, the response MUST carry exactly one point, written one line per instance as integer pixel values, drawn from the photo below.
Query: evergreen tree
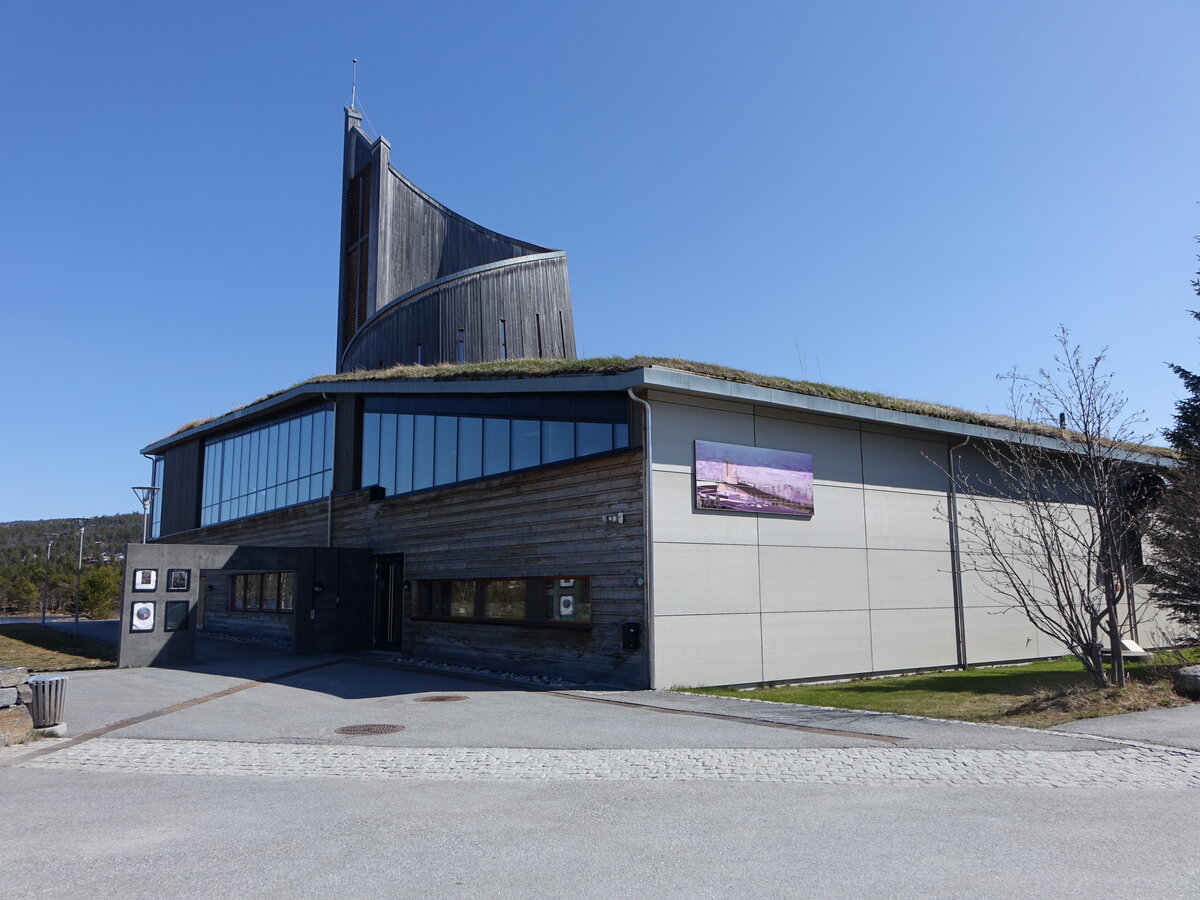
(1176, 532)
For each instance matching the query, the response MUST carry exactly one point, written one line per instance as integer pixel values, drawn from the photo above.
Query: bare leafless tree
(1053, 521)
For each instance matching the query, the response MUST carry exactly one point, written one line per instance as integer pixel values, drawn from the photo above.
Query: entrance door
(389, 600)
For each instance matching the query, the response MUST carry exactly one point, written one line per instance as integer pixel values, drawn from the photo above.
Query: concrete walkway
(231, 779)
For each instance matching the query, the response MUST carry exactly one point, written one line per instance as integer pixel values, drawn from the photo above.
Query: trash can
(48, 699)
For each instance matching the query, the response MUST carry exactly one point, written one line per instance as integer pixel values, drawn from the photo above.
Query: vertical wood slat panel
(475, 303)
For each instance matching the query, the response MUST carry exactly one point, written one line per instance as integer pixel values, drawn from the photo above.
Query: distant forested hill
(23, 562)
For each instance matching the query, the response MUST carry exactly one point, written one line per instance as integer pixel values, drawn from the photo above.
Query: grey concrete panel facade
(866, 584)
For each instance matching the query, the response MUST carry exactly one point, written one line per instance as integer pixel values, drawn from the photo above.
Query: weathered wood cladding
(421, 240)
(531, 297)
(398, 242)
(180, 497)
(548, 522)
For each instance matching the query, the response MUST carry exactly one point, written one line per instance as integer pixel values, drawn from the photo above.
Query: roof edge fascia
(667, 379)
(660, 378)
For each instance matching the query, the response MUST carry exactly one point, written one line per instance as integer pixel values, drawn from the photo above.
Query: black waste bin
(49, 697)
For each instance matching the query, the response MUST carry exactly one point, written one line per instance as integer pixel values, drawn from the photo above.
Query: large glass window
(411, 443)
(278, 464)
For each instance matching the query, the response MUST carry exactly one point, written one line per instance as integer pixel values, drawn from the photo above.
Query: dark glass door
(389, 601)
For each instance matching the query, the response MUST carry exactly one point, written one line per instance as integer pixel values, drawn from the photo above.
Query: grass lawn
(43, 649)
(1036, 695)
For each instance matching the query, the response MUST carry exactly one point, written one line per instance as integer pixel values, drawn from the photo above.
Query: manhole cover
(370, 729)
(440, 698)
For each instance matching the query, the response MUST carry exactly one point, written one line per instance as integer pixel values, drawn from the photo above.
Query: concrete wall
(864, 585)
(337, 616)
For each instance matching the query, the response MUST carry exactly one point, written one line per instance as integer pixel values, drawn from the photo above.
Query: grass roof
(614, 365)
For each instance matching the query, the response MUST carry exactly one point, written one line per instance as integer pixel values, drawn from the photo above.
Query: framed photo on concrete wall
(141, 616)
(175, 616)
(179, 579)
(145, 579)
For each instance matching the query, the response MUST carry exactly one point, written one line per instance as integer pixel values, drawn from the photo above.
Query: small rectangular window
(558, 441)
(460, 346)
(504, 600)
(287, 590)
(593, 437)
(404, 453)
(460, 599)
(526, 443)
(503, 339)
(420, 356)
(253, 591)
(496, 448)
(370, 442)
(470, 447)
(387, 453)
(568, 601)
(270, 590)
(445, 446)
(422, 452)
(538, 318)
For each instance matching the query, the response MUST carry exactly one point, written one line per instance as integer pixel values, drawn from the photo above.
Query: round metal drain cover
(440, 698)
(378, 728)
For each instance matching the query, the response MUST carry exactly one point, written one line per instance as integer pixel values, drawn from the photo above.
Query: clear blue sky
(902, 197)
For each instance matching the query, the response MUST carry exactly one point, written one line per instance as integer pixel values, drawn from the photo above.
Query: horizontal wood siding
(293, 526)
(543, 523)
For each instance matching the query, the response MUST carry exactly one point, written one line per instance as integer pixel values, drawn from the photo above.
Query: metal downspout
(332, 466)
(960, 625)
(648, 537)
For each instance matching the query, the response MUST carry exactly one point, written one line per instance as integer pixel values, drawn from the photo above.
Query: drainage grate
(379, 728)
(439, 698)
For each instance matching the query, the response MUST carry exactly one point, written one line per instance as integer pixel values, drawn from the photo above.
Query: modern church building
(637, 523)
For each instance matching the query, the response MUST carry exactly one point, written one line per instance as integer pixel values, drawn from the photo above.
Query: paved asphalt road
(234, 783)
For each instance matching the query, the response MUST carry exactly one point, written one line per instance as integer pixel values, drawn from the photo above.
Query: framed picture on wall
(175, 616)
(141, 616)
(753, 479)
(179, 579)
(145, 579)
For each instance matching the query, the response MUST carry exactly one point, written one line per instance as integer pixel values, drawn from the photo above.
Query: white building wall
(864, 585)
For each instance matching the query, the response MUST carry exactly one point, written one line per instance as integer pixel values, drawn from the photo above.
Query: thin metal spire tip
(354, 84)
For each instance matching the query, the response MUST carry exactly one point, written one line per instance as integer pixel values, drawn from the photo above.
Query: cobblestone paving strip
(1126, 767)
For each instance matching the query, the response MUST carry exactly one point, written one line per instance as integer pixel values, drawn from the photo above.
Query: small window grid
(272, 592)
(557, 601)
